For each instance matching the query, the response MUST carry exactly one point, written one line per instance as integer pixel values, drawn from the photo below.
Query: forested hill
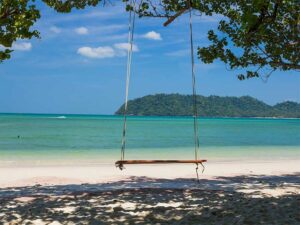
(212, 106)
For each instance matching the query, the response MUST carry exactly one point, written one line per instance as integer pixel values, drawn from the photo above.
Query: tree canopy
(18, 16)
(259, 35)
(16, 19)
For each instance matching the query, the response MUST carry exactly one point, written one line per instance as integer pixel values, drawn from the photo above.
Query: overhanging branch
(172, 18)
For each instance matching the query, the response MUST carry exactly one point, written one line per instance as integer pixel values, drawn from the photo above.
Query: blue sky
(79, 65)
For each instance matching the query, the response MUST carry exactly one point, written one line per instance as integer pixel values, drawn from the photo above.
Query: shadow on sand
(143, 200)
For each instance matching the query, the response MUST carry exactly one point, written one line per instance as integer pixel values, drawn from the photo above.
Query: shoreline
(96, 174)
(65, 116)
(97, 163)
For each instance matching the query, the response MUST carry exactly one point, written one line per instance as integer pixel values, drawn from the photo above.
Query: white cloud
(82, 30)
(55, 29)
(100, 52)
(118, 50)
(126, 46)
(152, 35)
(22, 46)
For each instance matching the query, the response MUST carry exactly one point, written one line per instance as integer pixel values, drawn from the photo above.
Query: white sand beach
(237, 192)
(86, 83)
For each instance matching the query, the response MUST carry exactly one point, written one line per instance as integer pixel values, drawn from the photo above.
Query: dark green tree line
(211, 106)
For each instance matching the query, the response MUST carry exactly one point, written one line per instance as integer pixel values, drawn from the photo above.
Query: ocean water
(69, 139)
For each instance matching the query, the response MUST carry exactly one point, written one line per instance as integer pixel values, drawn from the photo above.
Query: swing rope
(195, 111)
(121, 163)
(131, 23)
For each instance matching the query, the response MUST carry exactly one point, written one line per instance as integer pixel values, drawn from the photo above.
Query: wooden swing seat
(123, 162)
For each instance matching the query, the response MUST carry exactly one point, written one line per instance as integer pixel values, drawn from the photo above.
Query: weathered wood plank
(120, 162)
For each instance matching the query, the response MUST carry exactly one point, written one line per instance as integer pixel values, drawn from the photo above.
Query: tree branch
(172, 18)
(283, 64)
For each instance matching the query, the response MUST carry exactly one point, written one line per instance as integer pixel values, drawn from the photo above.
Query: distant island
(211, 106)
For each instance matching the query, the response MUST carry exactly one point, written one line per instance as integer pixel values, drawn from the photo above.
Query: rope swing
(131, 23)
(197, 161)
(195, 111)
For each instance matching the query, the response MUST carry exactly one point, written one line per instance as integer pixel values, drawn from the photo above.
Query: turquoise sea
(69, 139)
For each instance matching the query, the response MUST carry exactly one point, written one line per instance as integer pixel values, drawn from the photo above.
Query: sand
(237, 192)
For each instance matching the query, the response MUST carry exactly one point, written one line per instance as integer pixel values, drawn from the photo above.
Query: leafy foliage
(262, 36)
(212, 106)
(18, 16)
(16, 19)
(67, 5)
